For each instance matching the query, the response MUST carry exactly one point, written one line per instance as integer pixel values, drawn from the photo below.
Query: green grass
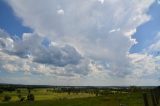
(45, 95)
(91, 101)
(41, 95)
(50, 98)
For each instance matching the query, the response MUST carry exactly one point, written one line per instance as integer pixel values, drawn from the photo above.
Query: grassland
(43, 94)
(47, 97)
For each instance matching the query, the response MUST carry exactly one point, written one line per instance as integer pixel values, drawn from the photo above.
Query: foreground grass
(48, 98)
(91, 101)
(109, 100)
(43, 94)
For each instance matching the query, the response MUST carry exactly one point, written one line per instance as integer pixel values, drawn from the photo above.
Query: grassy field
(91, 101)
(43, 97)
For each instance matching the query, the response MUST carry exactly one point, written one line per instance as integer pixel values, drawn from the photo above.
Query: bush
(18, 91)
(30, 97)
(21, 98)
(7, 98)
(1, 91)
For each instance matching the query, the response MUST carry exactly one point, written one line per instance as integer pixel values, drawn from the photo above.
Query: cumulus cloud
(32, 45)
(144, 64)
(5, 41)
(147, 63)
(81, 40)
(30, 55)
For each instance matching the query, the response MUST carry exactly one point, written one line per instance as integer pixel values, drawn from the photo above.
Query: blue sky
(147, 31)
(9, 22)
(55, 42)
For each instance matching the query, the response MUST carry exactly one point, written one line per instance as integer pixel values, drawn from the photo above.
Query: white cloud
(147, 63)
(87, 31)
(114, 30)
(29, 55)
(130, 32)
(5, 41)
(101, 1)
(144, 64)
(60, 11)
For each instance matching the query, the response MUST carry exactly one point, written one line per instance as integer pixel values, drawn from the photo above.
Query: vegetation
(7, 98)
(30, 97)
(78, 96)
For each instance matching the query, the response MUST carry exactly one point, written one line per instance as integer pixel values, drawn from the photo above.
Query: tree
(18, 91)
(1, 91)
(30, 97)
(7, 98)
(21, 98)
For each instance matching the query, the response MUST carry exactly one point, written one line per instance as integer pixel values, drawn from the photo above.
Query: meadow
(52, 97)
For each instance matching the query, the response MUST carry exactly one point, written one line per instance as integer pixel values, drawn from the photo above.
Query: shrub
(21, 98)
(30, 97)
(7, 98)
(1, 91)
(18, 91)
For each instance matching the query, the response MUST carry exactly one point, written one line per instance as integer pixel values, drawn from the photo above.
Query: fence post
(153, 99)
(157, 96)
(145, 99)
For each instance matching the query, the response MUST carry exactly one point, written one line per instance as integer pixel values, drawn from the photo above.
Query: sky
(80, 42)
